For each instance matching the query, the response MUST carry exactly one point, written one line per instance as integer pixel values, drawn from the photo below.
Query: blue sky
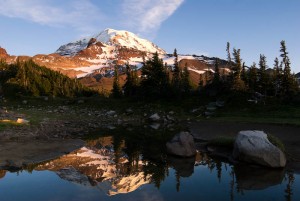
(29, 27)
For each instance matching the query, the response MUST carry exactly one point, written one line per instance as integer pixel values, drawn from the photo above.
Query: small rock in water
(182, 145)
(24, 102)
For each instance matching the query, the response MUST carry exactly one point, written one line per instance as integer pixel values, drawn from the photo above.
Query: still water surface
(120, 169)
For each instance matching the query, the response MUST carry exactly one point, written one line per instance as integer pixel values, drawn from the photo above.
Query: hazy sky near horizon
(29, 27)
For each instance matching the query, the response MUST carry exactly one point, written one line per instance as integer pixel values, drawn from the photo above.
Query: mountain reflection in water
(120, 168)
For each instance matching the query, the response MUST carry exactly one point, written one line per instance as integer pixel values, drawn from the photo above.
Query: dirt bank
(17, 154)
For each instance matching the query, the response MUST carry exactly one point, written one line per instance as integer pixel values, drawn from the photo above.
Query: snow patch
(111, 37)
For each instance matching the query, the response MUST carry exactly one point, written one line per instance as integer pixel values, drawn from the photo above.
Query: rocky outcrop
(91, 52)
(3, 53)
(182, 145)
(197, 64)
(254, 147)
(127, 53)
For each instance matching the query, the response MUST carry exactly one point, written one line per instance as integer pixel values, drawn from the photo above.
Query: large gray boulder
(182, 145)
(254, 147)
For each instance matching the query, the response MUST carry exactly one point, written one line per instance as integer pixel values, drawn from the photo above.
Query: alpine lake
(129, 163)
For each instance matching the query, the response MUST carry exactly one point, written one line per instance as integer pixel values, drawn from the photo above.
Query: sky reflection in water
(110, 169)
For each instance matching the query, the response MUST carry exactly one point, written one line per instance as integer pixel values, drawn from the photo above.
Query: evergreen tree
(244, 74)
(116, 91)
(131, 85)
(277, 77)
(28, 78)
(185, 82)
(201, 82)
(289, 84)
(253, 78)
(154, 81)
(216, 79)
(238, 84)
(229, 60)
(168, 87)
(176, 78)
(263, 77)
(229, 78)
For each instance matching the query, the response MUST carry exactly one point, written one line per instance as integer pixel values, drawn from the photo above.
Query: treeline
(277, 82)
(159, 80)
(28, 78)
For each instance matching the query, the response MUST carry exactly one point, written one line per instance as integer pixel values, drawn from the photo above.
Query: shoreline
(20, 152)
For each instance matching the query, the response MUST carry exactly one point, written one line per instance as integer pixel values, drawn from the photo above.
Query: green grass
(222, 141)
(8, 124)
(276, 114)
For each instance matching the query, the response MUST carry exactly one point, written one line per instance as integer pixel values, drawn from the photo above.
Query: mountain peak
(111, 37)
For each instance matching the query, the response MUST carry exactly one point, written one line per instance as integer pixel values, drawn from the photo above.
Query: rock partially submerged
(182, 145)
(254, 147)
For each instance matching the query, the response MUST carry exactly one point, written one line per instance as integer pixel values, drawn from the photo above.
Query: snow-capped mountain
(111, 37)
(93, 58)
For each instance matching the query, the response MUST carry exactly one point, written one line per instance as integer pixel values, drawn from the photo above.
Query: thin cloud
(143, 17)
(146, 16)
(79, 14)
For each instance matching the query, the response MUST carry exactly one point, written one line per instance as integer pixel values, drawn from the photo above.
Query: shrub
(276, 142)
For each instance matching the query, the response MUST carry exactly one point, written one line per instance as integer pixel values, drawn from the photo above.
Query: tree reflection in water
(130, 158)
(289, 190)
